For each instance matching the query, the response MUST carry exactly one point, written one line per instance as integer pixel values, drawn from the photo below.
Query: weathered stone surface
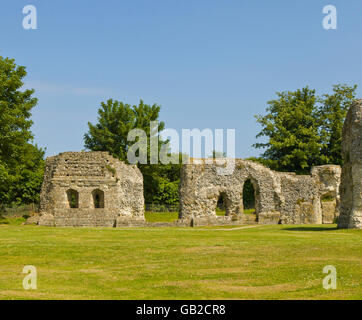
(47, 220)
(296, 197)
(34, 219)
(328, 179)
(90, 189)
(329, 211)
(272, 217)
(305, 213)
(201, 186)
(351, 185)
(247, 219)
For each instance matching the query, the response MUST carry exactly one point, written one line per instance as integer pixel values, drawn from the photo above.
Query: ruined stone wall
(297, 199)
(302, 196)
(351, 185)
(118, 186)
(201, 187)
(279, 197)
(328, 181)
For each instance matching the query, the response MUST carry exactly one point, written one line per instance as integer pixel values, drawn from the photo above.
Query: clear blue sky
(208, 63)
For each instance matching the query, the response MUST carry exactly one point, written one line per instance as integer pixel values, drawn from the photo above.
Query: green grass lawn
(161, 216)
(220, 212)
(261, 262)
(13, 221)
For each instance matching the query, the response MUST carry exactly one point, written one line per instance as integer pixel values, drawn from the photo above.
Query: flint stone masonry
(95, 189)
(351, 185)
(269, 217)
(90, 189)
(328, 211)
(280, 197)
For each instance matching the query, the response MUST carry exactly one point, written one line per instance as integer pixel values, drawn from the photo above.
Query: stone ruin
(280, 197)
(351, 185)
(90, 189)
(95, 189)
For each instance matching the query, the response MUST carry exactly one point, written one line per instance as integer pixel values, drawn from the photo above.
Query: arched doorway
(222, 205)
(250, 196)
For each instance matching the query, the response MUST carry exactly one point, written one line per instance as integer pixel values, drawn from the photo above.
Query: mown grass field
(261, 262)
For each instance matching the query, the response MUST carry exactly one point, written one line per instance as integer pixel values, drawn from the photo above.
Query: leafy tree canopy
(303, 129)
(21, 162)
(115, 120)
(332, 113)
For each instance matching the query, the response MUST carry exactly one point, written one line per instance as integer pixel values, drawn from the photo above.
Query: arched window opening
(221, 206)
(98, 199)
(249, 197)
(73, 198)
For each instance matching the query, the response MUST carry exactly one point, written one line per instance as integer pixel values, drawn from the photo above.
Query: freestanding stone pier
(351, 184)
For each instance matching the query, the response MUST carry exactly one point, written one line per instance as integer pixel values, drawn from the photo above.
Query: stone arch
(222, 195)
(201, 185)
(98, 198)
(256, 188)
(73, 198)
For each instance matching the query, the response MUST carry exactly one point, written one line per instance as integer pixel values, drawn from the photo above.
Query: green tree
(291, 125)
(26, 188)
(161, 182)
(21, 163)
(115, 120)
(304, 130)
(332, 113)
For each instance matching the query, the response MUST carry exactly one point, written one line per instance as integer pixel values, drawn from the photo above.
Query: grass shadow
(326, 228)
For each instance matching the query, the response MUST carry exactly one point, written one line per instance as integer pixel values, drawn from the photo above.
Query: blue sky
(209, 64)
